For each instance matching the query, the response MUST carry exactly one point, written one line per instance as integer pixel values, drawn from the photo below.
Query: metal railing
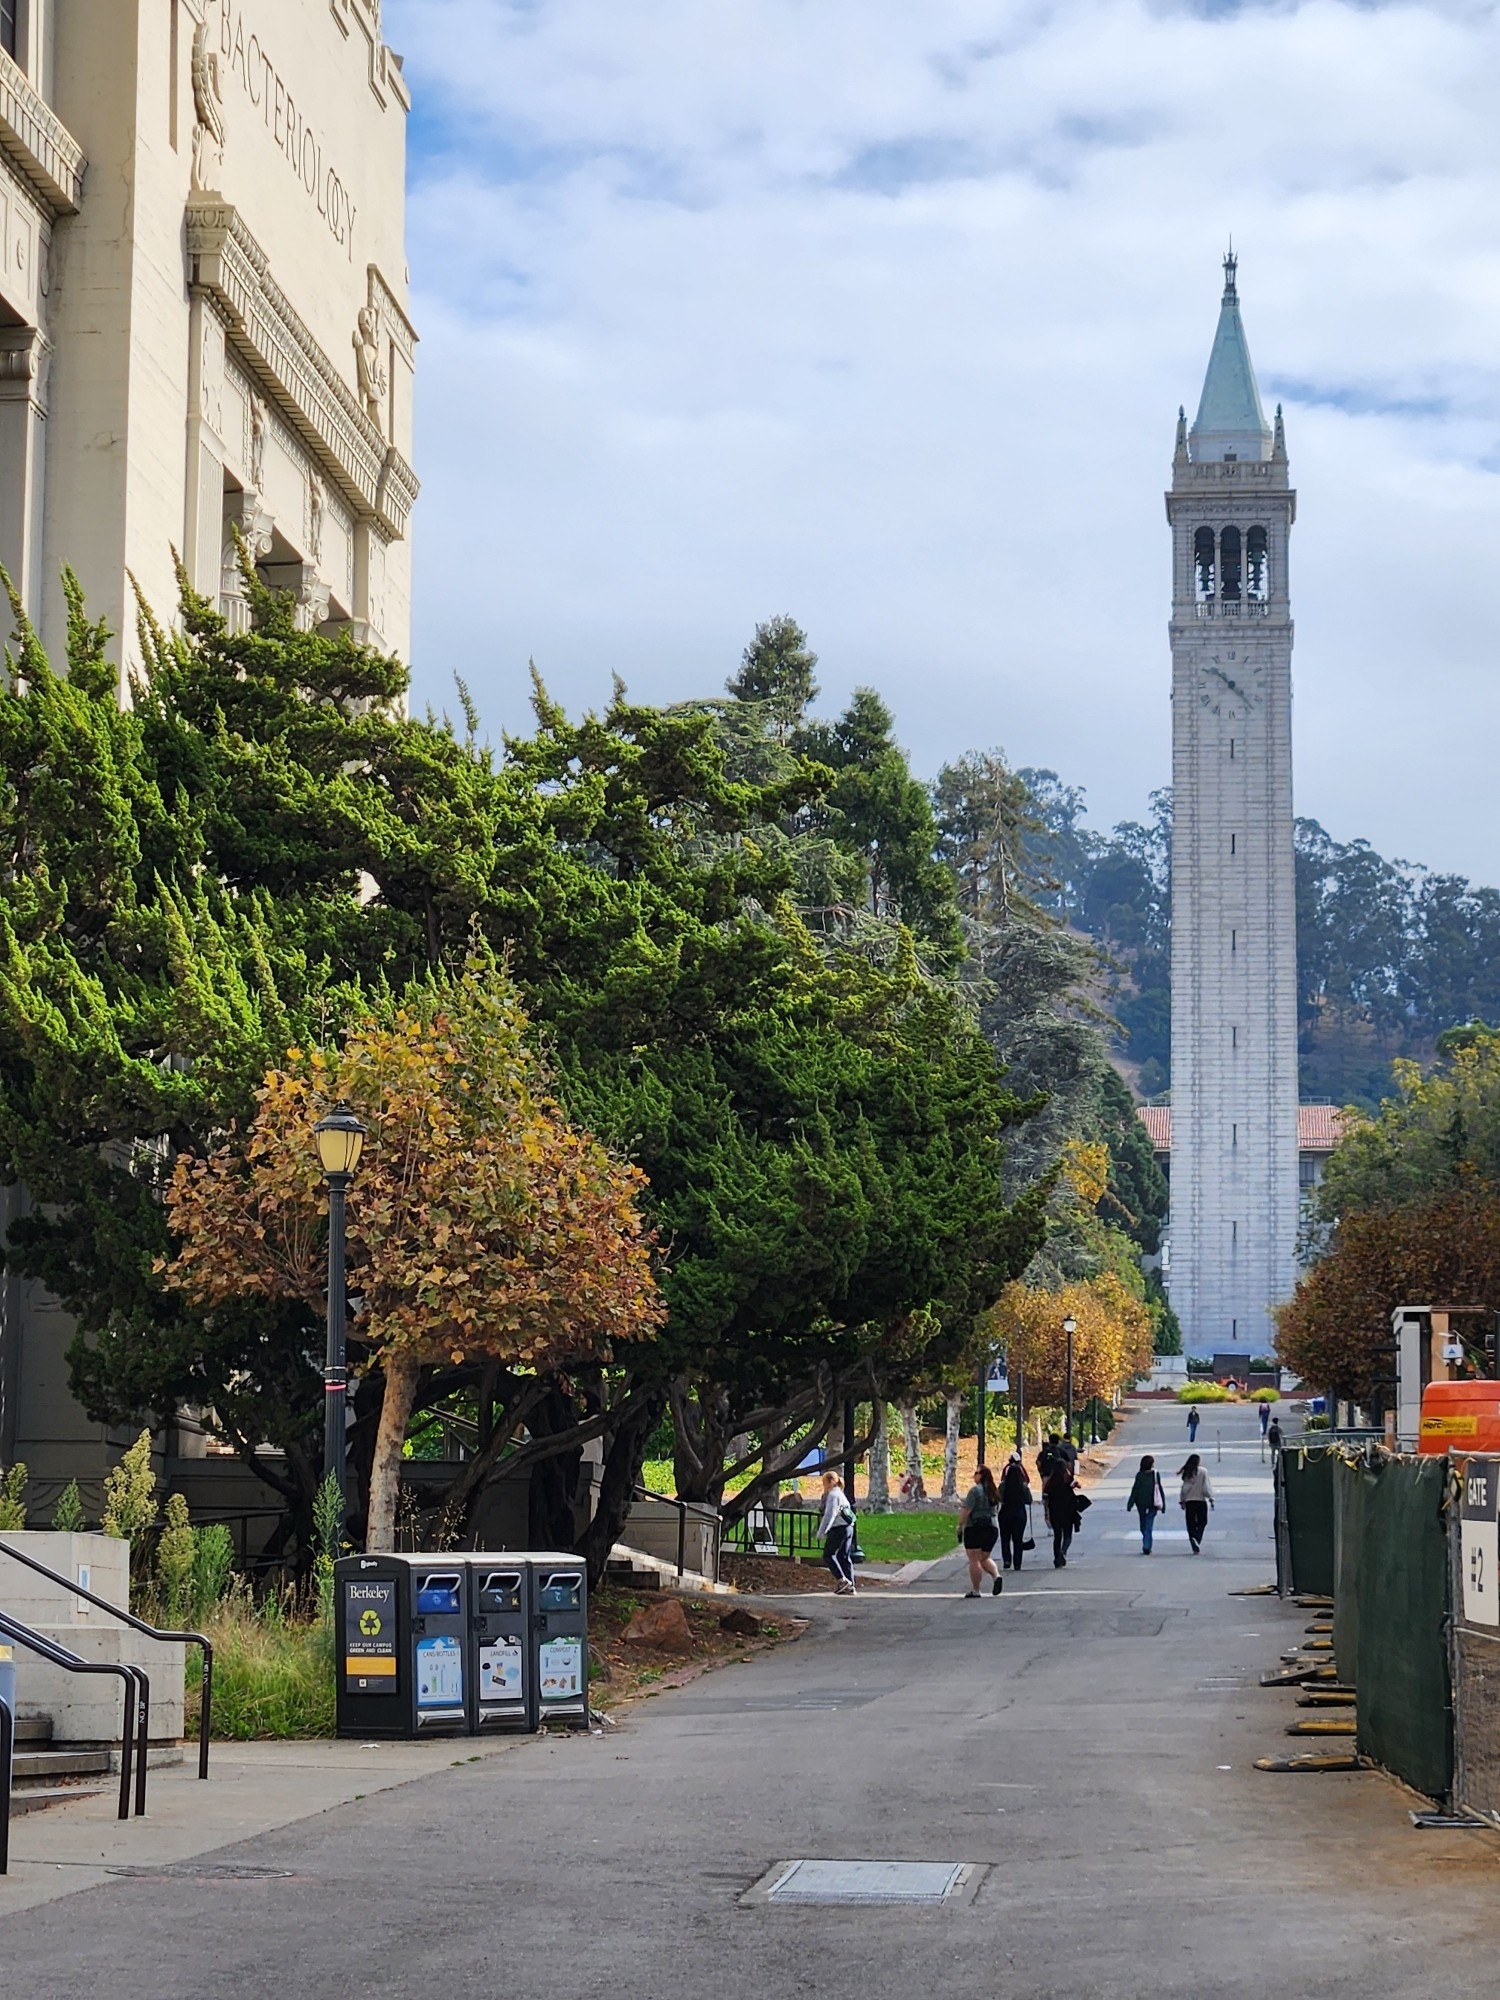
(1233, 607)
(206, 1684)
(794, 1530)
(670, 1500)
(7, 1765)
(134, 1735)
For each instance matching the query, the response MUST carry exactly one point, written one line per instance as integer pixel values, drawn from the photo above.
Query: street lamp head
(1070, 1325)
(341, 1140)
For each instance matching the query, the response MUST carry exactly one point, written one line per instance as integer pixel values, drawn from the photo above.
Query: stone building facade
(204, 344)
(1234, 976)
(203, 288)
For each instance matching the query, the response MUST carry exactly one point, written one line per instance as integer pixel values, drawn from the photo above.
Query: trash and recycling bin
(560, 1636)
(501, 1674)
(460, 1644)
(403, 1641)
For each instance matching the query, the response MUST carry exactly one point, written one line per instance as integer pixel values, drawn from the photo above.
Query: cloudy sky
(880, 314)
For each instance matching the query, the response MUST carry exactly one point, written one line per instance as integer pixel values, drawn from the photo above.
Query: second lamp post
(1070, 1327)
(340, 1139)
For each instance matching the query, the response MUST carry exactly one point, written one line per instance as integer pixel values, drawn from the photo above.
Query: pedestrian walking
(1274, 1438)
(1147, 1500)
(978, 1530)
(1062, 1510)
(1195, 1499)
(1192, 1424)
(835, 1525)
(1015, 1512)
(1265, 1419)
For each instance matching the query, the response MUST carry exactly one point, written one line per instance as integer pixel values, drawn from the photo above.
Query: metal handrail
(206, 1688)
(670, 1500)
(133, 1738)
(7, 1765)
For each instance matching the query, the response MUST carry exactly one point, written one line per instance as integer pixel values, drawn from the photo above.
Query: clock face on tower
(1230, 687)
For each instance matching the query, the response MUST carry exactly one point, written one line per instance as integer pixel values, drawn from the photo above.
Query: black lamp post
(1070, 1327)
(340, 1139)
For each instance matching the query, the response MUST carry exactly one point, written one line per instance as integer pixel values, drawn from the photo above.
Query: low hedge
(1207, 1392)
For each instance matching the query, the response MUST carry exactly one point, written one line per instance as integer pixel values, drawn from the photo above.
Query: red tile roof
(1319, 1126)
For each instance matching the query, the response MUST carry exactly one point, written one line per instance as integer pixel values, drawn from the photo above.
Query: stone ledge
(37, 142)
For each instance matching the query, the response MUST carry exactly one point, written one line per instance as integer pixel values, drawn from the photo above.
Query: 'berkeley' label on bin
(369, 1637)
(560, 1670)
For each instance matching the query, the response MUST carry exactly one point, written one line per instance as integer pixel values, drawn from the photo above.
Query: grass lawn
(907, 1537)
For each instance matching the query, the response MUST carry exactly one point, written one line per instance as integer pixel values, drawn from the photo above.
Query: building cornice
(37, 143)
(274, 344)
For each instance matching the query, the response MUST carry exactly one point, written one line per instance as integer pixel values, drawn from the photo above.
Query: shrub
(130, 1493)
(1264, 1396)
(1207, 1392)
(68, 1517)
(213, 1566)
(1318, 1421)
(13, 1497)
(176, 1559)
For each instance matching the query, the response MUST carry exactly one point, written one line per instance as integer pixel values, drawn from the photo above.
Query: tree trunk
(401, 1373)
(617, 1480)
(878, 1497)
(912, 1486)
(955, 1403)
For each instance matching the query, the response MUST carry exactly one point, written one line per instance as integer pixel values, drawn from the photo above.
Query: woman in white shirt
(834, 1523)
(1195, 1499)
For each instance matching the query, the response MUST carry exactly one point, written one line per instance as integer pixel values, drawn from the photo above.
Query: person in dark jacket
(1147, 1500)
(1062, 1510)
(1015, 1511)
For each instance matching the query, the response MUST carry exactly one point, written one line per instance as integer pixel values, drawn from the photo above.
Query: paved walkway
(1087, 1739)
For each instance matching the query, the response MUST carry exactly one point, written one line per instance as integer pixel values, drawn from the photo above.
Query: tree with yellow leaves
(481, 1225)
(1111, 1339)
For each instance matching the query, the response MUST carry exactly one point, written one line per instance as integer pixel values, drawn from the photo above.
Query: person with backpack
(1062, 1510)
(1196, 1498)
(835, 1525)
(1147, 1500)
(1015, 1512)
(1265, 1419)
(1274, 1438)
(978, 1531)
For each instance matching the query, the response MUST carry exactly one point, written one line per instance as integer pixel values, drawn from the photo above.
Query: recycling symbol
(369, 1623)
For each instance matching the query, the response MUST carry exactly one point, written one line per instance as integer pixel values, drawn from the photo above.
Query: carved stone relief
(208, 114)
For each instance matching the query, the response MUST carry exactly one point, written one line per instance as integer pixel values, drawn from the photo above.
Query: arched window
(1203, 564)
(1257, 572)
(1229, 565)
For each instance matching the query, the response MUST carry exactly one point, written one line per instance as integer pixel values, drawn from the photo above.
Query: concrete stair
(42, 1775)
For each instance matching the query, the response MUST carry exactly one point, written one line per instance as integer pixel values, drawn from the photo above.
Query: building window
(1234, 1038)
(8, 12)
(1229, 565)
(1232, 838)
(1231, 749)
(1234, 940)
(1307, 1170)
(1203, 564)
(1234, 1135)
(1257, 575)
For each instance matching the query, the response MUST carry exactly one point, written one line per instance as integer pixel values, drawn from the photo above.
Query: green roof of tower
(1230, 422)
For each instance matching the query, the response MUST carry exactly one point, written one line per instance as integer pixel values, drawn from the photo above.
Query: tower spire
(1230, 421)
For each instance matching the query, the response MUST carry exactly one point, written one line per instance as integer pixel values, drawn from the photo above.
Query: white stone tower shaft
(1234, 973)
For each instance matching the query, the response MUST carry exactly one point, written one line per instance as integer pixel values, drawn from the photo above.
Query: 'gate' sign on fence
(1480, 1552)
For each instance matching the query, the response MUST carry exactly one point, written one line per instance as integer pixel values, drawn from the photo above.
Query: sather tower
(1234, 970)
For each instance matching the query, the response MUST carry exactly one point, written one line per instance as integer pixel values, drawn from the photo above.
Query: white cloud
(881, 315)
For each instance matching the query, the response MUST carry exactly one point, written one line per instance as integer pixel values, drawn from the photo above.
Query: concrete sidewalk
(252, 1789)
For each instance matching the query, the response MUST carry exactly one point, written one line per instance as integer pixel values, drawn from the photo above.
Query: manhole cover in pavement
(212, 1871)
(862, 1882)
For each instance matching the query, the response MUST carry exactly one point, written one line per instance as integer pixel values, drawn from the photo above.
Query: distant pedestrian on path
(835, 1525)
(978, 1530)
(1147, 1500)
(1265, 1418)
(1015, 1511)
(1193, 1422)
(1274, 1438)
(1195, 1499)
(1062, 1510)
